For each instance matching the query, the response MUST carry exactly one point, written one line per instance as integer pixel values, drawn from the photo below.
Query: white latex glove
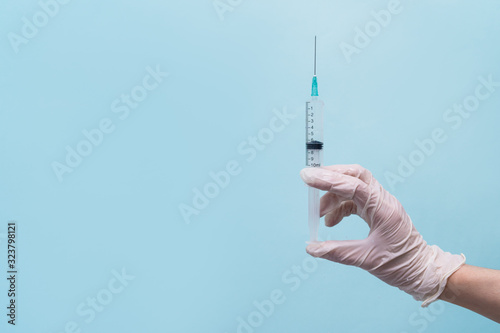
(394, 251)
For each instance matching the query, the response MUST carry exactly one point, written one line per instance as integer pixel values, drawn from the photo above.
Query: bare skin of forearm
(475, 288)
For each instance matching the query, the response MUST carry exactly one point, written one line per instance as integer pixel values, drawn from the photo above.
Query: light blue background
(120, 207)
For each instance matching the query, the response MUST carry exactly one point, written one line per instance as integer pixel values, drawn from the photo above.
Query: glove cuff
(441, 266)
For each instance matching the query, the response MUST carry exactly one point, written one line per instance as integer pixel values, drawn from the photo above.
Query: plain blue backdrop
(232, 65)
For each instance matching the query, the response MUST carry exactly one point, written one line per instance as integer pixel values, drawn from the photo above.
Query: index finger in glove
(353, 170)
(344, 186)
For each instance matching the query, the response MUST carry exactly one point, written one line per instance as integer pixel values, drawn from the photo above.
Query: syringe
(314, 149)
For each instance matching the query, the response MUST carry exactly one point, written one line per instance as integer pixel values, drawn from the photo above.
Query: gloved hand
(394, 251)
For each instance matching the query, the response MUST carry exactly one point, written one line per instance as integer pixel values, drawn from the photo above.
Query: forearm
(475, 288)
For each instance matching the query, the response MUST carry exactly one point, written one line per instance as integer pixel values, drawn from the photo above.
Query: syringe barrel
(313, 218)
(314, 132)
(314, 158)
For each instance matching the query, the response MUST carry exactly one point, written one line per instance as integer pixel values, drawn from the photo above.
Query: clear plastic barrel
(314, 158)
(314, 132)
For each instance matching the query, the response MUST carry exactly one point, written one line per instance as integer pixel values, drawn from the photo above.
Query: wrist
(452, 289)
(442, 266)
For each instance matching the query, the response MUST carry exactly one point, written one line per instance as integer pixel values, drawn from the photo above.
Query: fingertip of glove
(313, 248)
(313, 176)
(307, 174)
